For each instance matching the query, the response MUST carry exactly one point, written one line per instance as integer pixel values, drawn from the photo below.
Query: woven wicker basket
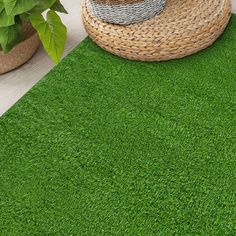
(22, 52)
(125, 11)
(184, 27)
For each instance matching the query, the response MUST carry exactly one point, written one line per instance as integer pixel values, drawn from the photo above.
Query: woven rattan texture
(22, 52)
(127, 13)
(183, 28)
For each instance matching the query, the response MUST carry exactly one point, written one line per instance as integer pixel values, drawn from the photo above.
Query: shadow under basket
(22, 52)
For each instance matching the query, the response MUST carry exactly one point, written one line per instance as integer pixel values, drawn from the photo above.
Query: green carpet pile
(107, 146)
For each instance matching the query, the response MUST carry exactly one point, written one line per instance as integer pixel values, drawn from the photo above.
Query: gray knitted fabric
(126, 14)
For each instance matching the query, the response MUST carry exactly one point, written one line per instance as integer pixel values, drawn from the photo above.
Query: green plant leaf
(5, 20)
(24, 17)
(57, 6)
(9, 36)
(16, 7)
(42, 6)
(52, 33)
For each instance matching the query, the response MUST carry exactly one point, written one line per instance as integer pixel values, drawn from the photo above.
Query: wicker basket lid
(117, 2)
(125, 12)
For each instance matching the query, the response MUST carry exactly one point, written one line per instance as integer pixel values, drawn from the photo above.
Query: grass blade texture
(107, 146)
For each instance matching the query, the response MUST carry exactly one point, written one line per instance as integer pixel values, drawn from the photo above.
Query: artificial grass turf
(107, 146)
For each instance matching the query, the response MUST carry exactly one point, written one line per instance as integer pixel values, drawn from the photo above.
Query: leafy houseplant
(52, 32)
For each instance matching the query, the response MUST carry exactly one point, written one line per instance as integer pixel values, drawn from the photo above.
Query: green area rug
(107, 146)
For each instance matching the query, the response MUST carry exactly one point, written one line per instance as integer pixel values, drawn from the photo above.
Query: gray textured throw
(126, 14)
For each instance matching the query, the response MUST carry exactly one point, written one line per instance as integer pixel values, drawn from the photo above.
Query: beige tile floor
(16, 83)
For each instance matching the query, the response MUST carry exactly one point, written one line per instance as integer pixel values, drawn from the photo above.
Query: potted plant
(22, 26)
